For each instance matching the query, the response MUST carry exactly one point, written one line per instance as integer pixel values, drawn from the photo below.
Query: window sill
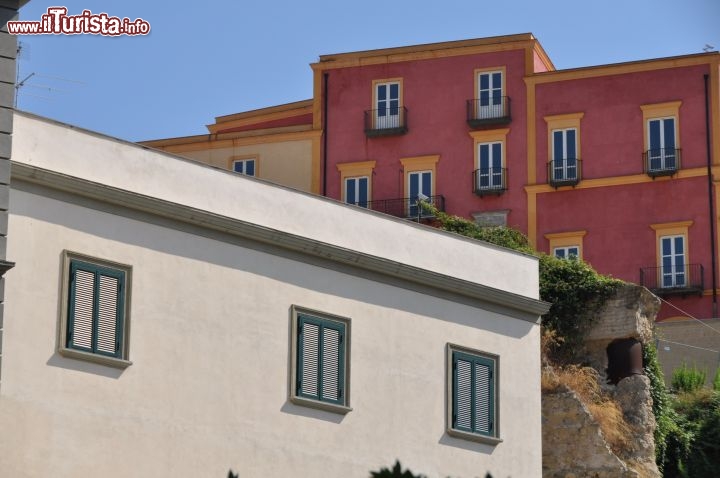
(96, 358)
(488, 440)
(328, 407)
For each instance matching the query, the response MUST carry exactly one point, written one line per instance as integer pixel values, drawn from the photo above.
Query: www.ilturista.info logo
(57, 22)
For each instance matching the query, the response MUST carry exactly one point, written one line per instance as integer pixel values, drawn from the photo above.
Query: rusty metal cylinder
(624, 359)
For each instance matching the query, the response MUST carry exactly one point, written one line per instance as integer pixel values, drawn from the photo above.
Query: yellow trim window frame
(419, 173)
(356, 182)
(673, 254)
(247, 165)
(489, 160)
(661, 137)
(565, 245)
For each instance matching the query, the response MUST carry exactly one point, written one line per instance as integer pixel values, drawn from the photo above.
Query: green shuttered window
(95, 316)
(94, 320)
(320, 370)
(473, 384)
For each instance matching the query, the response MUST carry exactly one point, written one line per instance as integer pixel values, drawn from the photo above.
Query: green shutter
(473, 394)
(95, 309)
(321, 359)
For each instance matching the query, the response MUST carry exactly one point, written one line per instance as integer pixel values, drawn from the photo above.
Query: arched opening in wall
(624, 359)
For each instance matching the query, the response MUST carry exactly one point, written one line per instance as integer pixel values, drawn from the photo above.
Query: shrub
(716, 380)
(395, 472)
(686, 379)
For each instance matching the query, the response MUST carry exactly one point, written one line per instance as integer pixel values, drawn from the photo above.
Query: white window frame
(494, 108)
(244, 163)
(678, 278)
(388, 120)
(564, 155)
(493, 175)
(357, 181)
(567, 252)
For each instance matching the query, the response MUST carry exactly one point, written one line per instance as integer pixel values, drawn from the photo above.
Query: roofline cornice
(414, 277)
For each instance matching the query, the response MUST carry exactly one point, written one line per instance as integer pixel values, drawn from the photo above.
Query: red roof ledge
(289, 114)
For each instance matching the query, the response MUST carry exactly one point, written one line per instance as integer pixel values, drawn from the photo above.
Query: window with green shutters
(320, 360)
(473, 384)
(94, 323)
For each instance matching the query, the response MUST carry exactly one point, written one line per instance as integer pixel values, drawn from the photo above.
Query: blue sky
(203, 60)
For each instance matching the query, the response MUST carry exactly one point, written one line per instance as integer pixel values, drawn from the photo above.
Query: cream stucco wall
(285, 162)
(210, 332)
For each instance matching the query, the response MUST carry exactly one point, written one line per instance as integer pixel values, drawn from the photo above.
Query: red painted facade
(618, 208)
(434, 92)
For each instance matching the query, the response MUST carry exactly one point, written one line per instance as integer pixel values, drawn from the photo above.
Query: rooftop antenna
(708, 48)
(23, 52)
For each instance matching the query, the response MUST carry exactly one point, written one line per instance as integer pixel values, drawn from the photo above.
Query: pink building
(607, 163)
(614, 164)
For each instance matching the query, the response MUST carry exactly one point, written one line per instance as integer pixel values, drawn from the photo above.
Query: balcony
(488, 111)
(386, 122)
(661, 162)
(673, 280)
(564, 172)
(404, 207)
(492, 181)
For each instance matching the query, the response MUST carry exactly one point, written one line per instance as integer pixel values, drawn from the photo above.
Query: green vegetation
(693, 451)
(573, 287)
(686, 379)
(395, 472)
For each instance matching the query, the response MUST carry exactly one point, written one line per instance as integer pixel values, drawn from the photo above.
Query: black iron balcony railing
(489, 181)
(405, 207)
(488, 111)
(661, 162)
(678, 279)
(386, 121)
(564, 172)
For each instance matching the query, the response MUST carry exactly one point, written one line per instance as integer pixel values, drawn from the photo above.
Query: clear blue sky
(212, 58)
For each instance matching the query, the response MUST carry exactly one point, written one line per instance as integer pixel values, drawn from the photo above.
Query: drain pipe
(710, 199)
(325, 133)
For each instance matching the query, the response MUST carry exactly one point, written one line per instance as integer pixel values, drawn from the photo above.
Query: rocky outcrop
(573, 443)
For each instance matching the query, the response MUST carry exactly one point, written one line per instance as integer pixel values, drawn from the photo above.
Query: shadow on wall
(258, 258)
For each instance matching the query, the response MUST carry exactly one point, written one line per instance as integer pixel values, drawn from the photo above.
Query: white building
(160, 308)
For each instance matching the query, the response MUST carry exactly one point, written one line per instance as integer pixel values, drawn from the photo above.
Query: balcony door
(489, 166)
(661, 142)
(564, 154)
(419, 182)
(387, 107)
(490, 95)
(672, 272)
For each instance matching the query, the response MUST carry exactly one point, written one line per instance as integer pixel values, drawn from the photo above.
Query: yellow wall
(287, 162)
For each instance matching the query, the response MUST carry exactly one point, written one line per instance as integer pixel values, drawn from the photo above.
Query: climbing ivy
(572, 287)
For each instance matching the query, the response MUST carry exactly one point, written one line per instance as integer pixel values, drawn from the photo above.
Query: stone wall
(573, 443)
(691, 342)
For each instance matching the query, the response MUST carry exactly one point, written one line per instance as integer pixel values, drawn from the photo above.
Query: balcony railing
(488, 111)
(679, 279)
(405, 207)
(489, 181)
(661, 162)
(564, 172)
(386, 121)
